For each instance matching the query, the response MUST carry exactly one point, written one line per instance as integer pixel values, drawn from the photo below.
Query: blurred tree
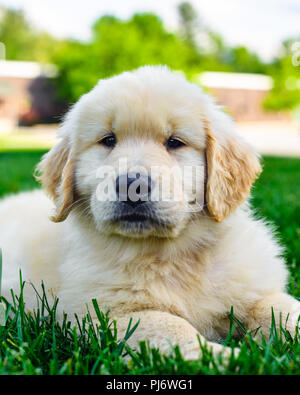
(43, 47)
(21, 41)
(16, 34)
(215, 54)
(244, 61)
(189, 22)
(285, 71)
(116, 46)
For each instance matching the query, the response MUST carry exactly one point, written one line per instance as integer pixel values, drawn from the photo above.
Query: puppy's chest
(182, 288)
(196, 289)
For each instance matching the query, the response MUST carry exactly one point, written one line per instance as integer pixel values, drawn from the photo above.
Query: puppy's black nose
(133, 190)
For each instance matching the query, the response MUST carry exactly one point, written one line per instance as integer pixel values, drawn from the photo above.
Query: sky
(258, 24)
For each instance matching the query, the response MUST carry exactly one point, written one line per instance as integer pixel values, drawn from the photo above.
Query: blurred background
(246, 53)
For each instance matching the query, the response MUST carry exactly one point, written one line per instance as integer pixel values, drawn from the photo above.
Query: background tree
(116, 46)
(213, 52)
(285, 71)
(21, 40)
(189, 22)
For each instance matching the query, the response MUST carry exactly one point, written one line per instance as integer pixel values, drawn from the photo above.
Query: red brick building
(242, 95)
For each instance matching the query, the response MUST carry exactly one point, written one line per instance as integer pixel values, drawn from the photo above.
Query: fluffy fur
(181, 275)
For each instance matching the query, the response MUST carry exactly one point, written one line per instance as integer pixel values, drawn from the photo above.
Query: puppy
(125, 231)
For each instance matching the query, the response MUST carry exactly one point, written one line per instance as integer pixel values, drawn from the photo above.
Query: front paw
(194, 353)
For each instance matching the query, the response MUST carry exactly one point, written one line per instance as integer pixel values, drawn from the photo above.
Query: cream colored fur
(181, 281)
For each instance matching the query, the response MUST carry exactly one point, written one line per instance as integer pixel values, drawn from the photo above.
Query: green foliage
(23, 42)
(189, 22)
(286, 75)
(16, 34)
(120, 45)
(246, 61)
(117, 46)
(276, 197)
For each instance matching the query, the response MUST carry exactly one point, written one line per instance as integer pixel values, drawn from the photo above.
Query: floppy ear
(232, 167)
(55, 172)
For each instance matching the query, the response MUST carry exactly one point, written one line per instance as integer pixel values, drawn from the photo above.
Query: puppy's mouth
(134, 217)
(140, 221)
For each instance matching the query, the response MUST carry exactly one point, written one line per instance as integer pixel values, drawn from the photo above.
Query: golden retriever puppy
(150, 217)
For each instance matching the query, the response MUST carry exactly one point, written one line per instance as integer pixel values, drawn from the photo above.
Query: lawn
(37, 344)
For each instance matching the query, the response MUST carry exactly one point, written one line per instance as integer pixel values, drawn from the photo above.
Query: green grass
(276, 197)
(16, 171)
(34, 343)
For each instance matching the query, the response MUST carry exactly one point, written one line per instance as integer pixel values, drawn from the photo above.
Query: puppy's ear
(232, 167)
(55, 172)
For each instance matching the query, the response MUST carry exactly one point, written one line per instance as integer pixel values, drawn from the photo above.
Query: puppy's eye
(108, 141)
(174, 143)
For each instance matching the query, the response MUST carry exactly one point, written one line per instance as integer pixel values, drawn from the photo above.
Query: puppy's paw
(193, 353)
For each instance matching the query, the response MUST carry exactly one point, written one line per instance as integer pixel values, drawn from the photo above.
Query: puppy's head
(145, 153)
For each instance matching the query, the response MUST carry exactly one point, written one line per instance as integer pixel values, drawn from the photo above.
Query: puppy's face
(132, 168)
(139, 157)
